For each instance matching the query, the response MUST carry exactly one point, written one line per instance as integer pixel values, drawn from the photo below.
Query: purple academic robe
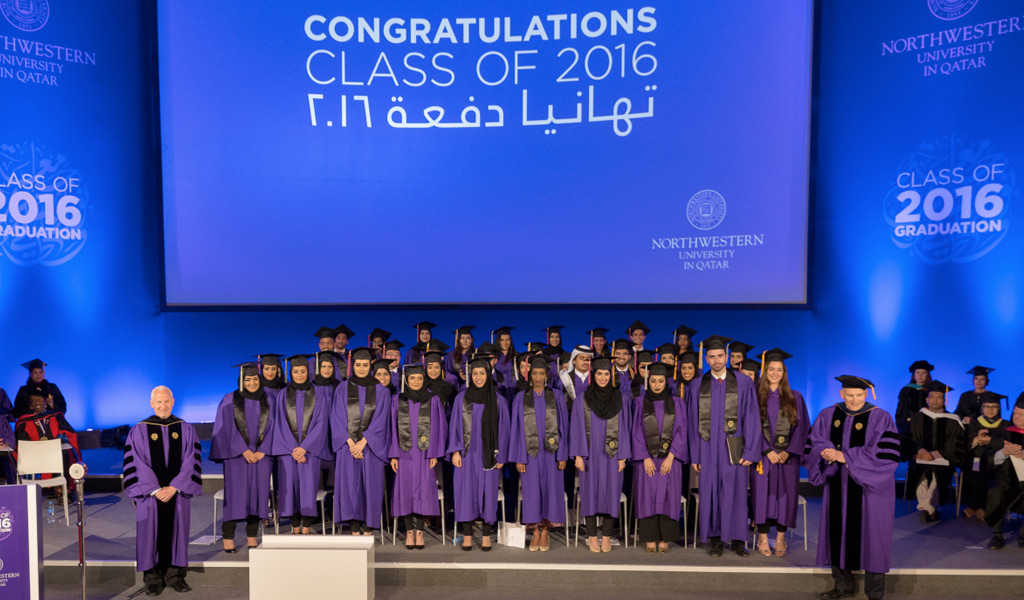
(310, 364)
(601, 481)
(776, 490)
(861, 491)
(359, 483)
(506, 365)
(158, 453)
(415, 482)
(722, 486)
(659, 494)
(246, 486)
(299, 483)
(476, 490)
(6, 408)
(543, 484)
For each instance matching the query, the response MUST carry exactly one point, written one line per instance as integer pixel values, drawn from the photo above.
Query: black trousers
(658, 528)
(164, 572)
(414, 522)
(163, 575)
(607, 525)
(299, 520)
(252, 527)
(768, 524)
(359, 527)
(874, 583)
(467, 528)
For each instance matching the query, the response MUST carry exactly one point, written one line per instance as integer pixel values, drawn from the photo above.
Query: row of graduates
(598, 428)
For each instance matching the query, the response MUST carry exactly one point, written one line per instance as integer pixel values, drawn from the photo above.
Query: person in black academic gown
(969, 406)
(1007, 495)
(938, 444)
(913, 396)
(984, 438)
(37, 383)
(42, 423)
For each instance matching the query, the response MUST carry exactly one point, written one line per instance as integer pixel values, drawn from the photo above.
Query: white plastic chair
(39, 458)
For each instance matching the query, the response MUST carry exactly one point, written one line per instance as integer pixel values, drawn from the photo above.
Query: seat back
(36, 458)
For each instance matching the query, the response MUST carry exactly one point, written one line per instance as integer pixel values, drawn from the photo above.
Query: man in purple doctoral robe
(659, 441)
(775, 483)
(724, 434)
(539, 446)
(599, 439)
(477, 447)
(855, 450)
(300, 441)
(360, 427)
(162, 472)
(419, 434)
(242, 437)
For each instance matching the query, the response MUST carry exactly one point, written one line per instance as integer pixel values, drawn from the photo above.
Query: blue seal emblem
(26, 15)
(706, 209)
(951, 10)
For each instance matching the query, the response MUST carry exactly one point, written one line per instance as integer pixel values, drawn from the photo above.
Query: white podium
(312, 567)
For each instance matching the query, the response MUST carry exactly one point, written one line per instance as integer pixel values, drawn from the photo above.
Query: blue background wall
(876, 306)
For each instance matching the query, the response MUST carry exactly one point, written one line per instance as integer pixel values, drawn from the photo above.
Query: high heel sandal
(420, 545)
(780, 548)
(764, 547)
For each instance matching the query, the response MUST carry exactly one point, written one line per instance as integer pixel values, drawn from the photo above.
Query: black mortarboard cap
(598, 332)
(852, 381)
(298, 360)
(750, 364)
(689, 357)
(684, 330)
(465, 330)
(344, 329)
(775, 354)
(394, 345)
(379, 333)
(325, 332)
(937, 386)
(637, 325)
(436, 346)
(715, 342)
(921, 364)
(535, 346)
(35, 363)
(644, 356)
(668, 348)
(380, 363)
(425, 325)
(601, 363)
(735, 346)
(414, 369)
(248, 369)
(659, 369)
(361, 354)
(991, 398)
(269, 359)
(622, 344)
(554, 328)
(503, 330)
(434, 357)
(979, 370)
(539, 361)
(1020, 401)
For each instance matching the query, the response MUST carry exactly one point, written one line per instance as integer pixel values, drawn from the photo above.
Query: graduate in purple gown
(465, 346)
(300, 441)
(775, 483)
(376, 340)
(854, 454)
(8, 464)
(419, 434)
(324, 373)
(242, 434)
(725, 434)
(271, 374)
(393, 354)
(539, 446)
(599, 439)
(505, 353)
(342, 334)
(622, 361)
(599, 343)
(477, 447)
(667, 356)
(437, 381)
(637, 333)
(642, 360)
(659, 442)
(683, 337)
(424, 335)
(686, 367)
(360, 428)
(162, 472)
(6, 408)
(326, 337)
(577, 377)
(738, 352)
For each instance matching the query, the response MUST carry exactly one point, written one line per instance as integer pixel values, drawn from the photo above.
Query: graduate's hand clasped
(666, 465)
(457, 460)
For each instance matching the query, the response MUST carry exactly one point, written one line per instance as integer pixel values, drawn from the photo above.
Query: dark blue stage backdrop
(912, 255)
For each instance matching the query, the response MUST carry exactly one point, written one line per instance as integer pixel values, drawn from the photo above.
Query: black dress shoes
(180, 586)
(154, 589)
(716, 549)
(740, 548)
(997, 543)
(835, 593)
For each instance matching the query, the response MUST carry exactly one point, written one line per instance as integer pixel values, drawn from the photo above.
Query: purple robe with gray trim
(601, 481)
(776, 490)
(301, 420)
(543, 484)
(243, 424)
(659, 494)
(359, 483)
(723, 486)
(159, 453)
(415, 482)
(857, 515)
(476, 490)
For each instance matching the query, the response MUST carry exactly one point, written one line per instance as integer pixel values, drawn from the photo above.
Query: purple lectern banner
(15, 553)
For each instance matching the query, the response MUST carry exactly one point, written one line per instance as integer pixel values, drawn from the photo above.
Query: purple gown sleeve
(394, 450)
(626, 429)
(692, 406)
(679, 444)
(6, 408)
(867, 464)
(226, 442)
(563, 428)
(750, 419)
(439, 429)
(818, 469)
(339, 418)
(139, 478)
(578, 431)
(377, 433)
(503, 418)
(638, 441)
(318, 436)
(517, 432)
(455, 442)
(189, 480)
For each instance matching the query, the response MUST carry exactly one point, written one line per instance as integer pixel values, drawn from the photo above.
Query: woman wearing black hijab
(477, 445)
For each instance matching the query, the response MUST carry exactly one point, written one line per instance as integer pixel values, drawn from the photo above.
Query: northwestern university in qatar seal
(706, 209)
